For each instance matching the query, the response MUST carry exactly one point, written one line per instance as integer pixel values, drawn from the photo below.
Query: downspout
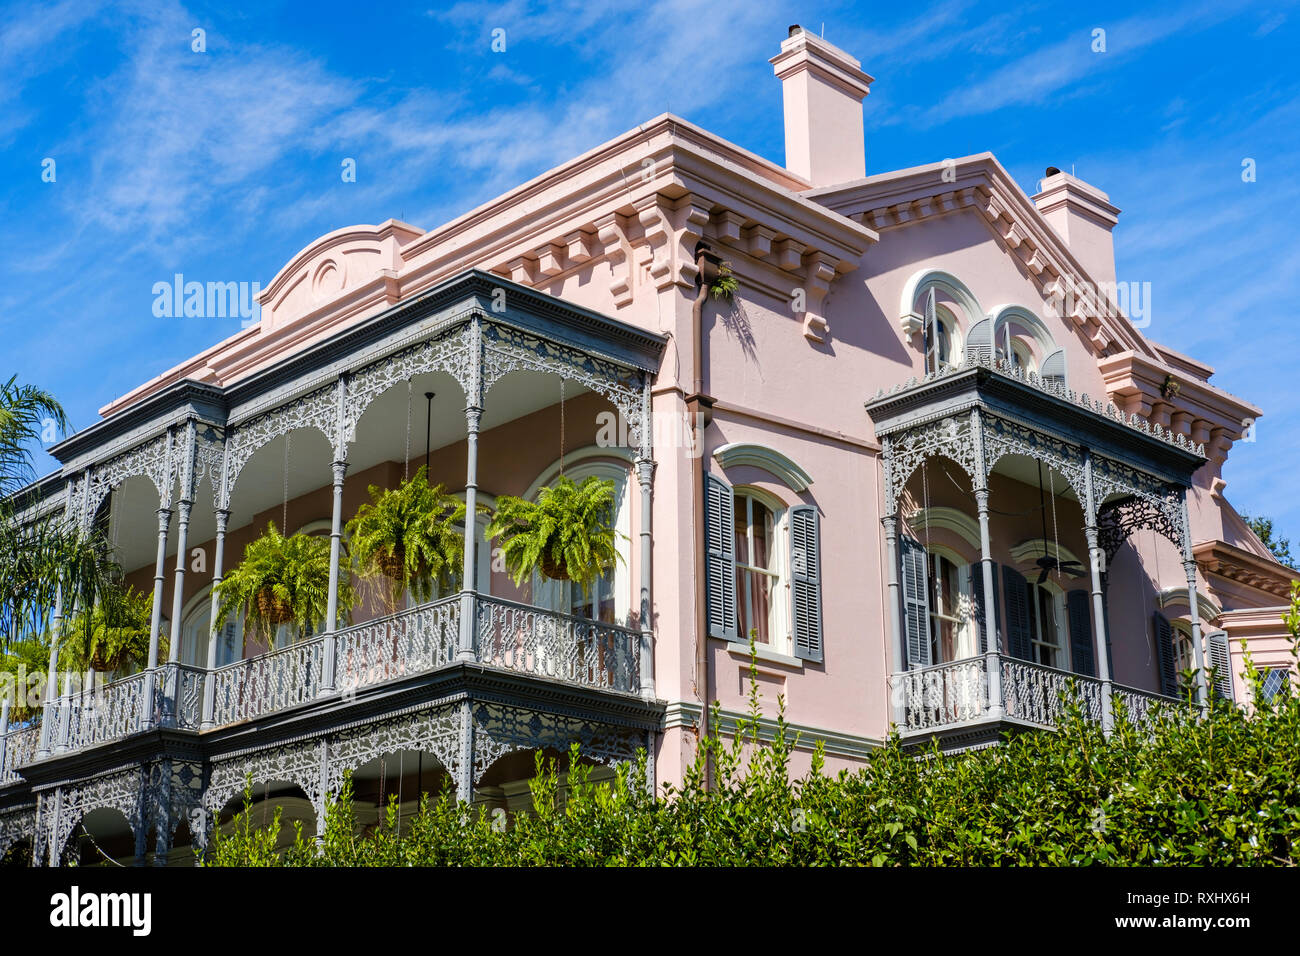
(699, 408)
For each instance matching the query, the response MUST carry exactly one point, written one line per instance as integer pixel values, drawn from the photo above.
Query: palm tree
(25, 411)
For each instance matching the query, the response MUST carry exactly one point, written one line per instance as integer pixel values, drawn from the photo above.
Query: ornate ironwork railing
(945, 694)
(575, 650)
(409, 642)
(18, 748)
(509, 635)
(268, 683)
(1033, 693)
(105, 713)
(1138, 703)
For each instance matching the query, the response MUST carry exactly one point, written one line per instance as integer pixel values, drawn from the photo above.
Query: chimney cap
(1052, 171)
(795, 28)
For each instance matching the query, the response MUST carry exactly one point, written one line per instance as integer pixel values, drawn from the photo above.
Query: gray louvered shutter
(979, 341)
(1054, 367)
(720, 557)
(977, 591)
(1165, 655)
(1221, 663)
(1077, 606)
(916, 604)
(1019, 615)
(806, 582)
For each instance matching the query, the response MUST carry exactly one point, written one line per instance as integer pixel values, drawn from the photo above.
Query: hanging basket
(391, 563)
(99, 661)
(272, 609)
(555, 570)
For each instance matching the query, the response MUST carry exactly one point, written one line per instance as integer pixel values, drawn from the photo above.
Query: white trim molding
(911, 321)
(1205, 607)
(768, 459)
(686, 714)
(949, 519)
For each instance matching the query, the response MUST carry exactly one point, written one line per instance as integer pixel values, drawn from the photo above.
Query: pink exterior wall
(595, 235)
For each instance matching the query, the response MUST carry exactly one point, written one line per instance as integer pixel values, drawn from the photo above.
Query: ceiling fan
(1048, 562)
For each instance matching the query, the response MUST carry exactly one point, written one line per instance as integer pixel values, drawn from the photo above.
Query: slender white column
(218, 559)
(469, 587)
(50, 702)
(159, 576)
(1096, 557)
(340, 469)
(155, 623)
(1189, 567)
(992, 652)
(897, 693)
(178, 596)
(4, 730)
(645, 469)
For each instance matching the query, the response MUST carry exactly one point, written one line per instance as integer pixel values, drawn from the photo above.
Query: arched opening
(18, 854)
(402, 779)
(103, 837)
(258, 809)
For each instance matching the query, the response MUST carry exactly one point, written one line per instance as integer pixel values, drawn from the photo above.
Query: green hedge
(1223, 790)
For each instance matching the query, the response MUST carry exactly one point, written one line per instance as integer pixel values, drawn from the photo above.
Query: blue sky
(221, 165)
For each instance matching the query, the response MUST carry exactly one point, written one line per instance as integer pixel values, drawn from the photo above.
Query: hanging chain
(284, 514)
(561, 426)
(406, 466)
(1056, 536)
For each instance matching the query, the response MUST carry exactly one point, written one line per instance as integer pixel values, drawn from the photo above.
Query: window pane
(742, 530)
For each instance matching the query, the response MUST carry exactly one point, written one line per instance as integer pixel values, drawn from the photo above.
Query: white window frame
(779, 623)
(967, 629)
(1061, 646)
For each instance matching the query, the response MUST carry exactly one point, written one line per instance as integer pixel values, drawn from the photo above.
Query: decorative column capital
(223, 519)
(164, 520)
(473, 417)
(340, 469)
(645, 470)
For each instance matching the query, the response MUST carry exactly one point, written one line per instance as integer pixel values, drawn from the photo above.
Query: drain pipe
(699, 408)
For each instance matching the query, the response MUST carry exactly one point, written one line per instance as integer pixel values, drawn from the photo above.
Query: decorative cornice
(974, 362)
(1235, 564)
(979, 183)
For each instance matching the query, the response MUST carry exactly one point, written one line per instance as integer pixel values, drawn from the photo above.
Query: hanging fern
(408, 537)
(112, 635)
(566, 534)
(281, 580)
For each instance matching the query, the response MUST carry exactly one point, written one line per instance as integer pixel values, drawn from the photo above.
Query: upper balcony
(1028, 532)
(531, 383)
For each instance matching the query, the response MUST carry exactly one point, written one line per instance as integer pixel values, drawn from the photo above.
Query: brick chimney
(1083, 216)
(823, 88)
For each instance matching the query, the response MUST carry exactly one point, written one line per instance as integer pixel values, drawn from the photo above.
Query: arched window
(942, 339)
(610, 598)
(196, 631)
(762, 579)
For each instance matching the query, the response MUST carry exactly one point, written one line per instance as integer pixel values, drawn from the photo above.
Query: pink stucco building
(921, 454)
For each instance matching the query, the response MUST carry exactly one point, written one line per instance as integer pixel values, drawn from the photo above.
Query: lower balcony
(506, 636)
(951, 702)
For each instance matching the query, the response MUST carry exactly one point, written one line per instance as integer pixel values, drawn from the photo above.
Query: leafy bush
(1174, 790)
